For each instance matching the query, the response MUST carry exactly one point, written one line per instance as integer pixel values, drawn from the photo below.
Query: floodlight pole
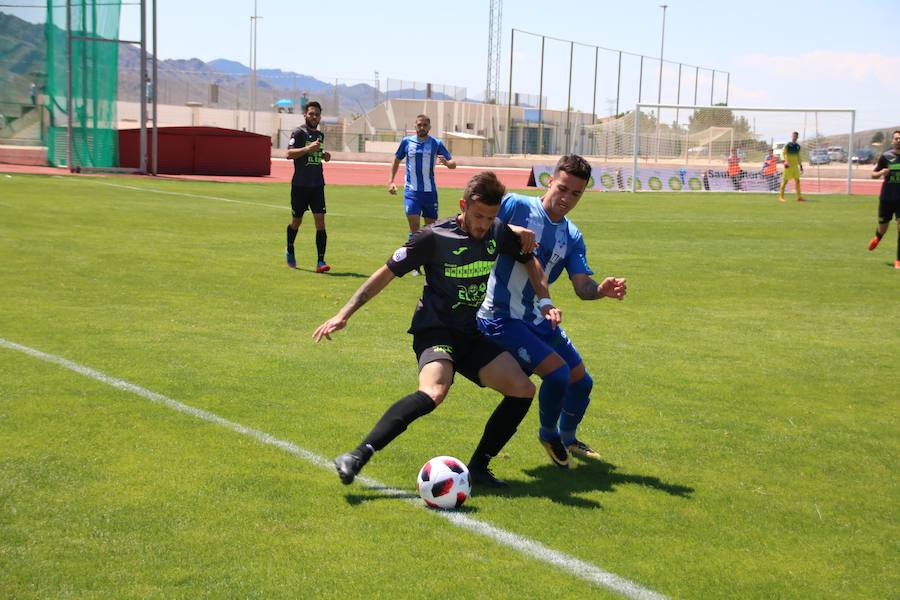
(69, 103)
(142, 162)
(155, 94)
(253, 35)
(540, 140)
(512, 46)
(850, 150)
(662, 45)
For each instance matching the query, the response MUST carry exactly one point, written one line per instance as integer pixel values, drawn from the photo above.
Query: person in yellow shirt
(792, 166)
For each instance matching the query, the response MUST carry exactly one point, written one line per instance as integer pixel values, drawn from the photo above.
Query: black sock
(321, 239)
(878, 234)
(398, 417)
(499, 429)
(291, 236)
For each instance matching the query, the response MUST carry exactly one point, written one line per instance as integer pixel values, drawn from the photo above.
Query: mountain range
(220, 83)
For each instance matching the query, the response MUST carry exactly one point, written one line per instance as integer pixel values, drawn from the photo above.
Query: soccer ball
(443, 482)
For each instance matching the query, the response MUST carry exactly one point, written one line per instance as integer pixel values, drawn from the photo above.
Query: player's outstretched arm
(392, 187)
(541, 284)
(447, 162)
(373, 285)
(588, 289)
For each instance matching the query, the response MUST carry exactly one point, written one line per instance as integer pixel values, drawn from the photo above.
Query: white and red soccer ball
(443, 482)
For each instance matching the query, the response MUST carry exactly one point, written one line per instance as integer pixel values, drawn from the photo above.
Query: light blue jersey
(560, 246)
(420, 159)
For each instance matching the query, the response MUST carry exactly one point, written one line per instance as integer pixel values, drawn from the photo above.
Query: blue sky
(783, 54)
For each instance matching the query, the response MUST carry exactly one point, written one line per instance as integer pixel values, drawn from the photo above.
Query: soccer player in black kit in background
(457, 255)
(889, 200)
(308, 183)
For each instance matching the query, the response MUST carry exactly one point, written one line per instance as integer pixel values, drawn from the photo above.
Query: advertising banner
(666, 179)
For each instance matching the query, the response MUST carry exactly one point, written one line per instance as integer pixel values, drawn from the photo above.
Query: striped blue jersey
(420, 159)
(560, 246)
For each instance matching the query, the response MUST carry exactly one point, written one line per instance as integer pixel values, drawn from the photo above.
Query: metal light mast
(495, 37)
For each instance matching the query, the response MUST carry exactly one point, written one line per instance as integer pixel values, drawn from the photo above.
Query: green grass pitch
(746, 403)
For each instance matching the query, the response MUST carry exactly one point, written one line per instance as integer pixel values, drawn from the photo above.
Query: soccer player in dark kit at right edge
(457, 255)
(308, 184)
(888, 167)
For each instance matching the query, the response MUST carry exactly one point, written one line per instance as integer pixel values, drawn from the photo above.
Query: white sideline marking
(200, 196)
(281, 207)
(581, 569)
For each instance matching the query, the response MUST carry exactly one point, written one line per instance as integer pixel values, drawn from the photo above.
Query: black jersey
(457, 269)
(307, 168)
(890, 188)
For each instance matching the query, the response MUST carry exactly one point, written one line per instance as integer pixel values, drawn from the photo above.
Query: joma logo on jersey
(459, 250)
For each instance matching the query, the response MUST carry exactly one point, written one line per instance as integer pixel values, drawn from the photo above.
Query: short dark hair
(895, 131)
(426, 117)
(484, 187)
(574, 165)
(795, 132)
(313, 104)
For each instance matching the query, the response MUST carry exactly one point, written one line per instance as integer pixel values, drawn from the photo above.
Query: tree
(704, 118)
(878, 138)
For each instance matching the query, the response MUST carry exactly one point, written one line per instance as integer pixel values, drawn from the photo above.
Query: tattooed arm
(588, 289)
(373, 285)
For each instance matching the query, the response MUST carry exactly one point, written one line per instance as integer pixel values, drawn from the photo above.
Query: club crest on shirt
(523, 354)
(491, 246)
(399, 254)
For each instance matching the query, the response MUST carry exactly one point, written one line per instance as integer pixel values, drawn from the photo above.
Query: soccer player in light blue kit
(421, 151)
(511, 314)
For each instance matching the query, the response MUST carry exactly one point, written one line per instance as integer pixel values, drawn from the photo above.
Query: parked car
(863, 156)
(819, 157)
(837, 154)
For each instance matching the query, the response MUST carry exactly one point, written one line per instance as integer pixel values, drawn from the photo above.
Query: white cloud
(741, 96)
(828, 65)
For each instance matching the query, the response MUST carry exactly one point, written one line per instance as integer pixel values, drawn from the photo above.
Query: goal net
(660, 147)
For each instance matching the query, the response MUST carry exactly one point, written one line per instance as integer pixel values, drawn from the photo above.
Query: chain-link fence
(572, 86)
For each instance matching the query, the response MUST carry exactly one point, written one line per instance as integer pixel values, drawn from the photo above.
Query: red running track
(355, 173)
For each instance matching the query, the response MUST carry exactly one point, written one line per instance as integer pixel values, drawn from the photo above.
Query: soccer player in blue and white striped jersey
(421, 151)
(511, 312)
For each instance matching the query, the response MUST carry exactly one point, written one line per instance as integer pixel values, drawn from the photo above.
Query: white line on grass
(282, 207)
(581, 569)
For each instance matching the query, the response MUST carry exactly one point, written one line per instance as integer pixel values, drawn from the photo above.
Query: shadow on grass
(334, 273)
(357, 499)
(563, 485)
(386, 493)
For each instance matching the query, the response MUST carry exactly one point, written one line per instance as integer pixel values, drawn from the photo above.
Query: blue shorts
(421, 203)
(530, 344)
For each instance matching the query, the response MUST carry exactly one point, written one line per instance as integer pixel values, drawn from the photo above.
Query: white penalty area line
(523, 545)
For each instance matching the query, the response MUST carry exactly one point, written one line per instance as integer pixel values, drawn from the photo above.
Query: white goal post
(726, 148)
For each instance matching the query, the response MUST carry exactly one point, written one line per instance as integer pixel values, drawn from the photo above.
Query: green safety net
(94, 29)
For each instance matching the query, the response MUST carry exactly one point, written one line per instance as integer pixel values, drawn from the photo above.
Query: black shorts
(887, 208)
(307, 198)
(469, 353)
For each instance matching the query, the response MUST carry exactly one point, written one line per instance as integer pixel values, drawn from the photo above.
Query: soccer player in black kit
(889, 200)
(457, 255)
(308, 183)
